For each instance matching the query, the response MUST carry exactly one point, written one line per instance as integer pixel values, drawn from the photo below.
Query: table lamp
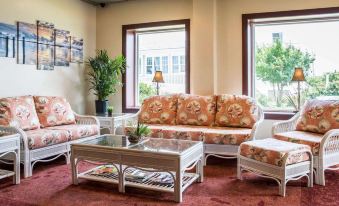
(298, 76)
(158, 79)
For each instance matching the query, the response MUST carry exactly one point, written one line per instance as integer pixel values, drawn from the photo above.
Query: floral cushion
(226, 135)
(53, 111)
(45, 137)
(159, 110)
(78, 131)
(235, 111)
(307, 138)
(19, 112)
(196, 110)
(272, 151)
(184, 132)
(319, 116)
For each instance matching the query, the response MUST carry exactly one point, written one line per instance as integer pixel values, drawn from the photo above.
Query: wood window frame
(247, 73)
(129, 48)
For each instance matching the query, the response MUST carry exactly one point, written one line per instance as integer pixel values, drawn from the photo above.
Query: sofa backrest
(159, 110)
(236, 111)
(19, 112)
(53, 111)
(196, 110)
(319, 116)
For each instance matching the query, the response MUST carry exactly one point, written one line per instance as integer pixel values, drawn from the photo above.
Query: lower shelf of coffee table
(112, 178)
(6, 173)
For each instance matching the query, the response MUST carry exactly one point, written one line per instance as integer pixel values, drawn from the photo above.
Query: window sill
(130, 110)
(278, 115)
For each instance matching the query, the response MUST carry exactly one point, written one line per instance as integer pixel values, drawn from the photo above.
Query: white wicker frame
(281, 174)
(328, 152)
(217, 150)
(30, 157)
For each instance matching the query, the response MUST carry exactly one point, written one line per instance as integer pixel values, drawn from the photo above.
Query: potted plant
(105, 77)
(135, 134)
(110, 110)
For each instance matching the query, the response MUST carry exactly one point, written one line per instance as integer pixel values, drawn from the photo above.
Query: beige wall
(73, 15)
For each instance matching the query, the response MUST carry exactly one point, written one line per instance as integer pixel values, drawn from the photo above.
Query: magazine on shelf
(105, 169)
(163, 179)
(138, 176)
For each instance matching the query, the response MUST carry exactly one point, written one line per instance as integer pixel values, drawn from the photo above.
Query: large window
(276, 46)
(151, 47)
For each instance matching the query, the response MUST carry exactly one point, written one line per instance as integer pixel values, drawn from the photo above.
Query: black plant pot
(101, 106)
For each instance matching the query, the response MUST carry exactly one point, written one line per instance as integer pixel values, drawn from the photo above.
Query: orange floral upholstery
(53, 111)
(196, 110)
(45, 137)
(307, 138)
(78, 131)
(159, 110)
(210, 135)
(272, 151)
(319, 116)
(235, 111)
(226, 135)
(19, 112)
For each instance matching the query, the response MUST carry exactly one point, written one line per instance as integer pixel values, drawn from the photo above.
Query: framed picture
(62, 54)
(45, 46)
(7, 40)
(27, 43)
(77, 45)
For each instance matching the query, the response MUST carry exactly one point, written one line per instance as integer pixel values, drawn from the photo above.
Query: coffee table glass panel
(157, 164)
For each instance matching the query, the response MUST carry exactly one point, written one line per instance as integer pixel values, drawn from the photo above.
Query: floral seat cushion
(307, 138)
(39, 138)
(78, 131)
(196, 110)
(273, 151)
(184, 132)
(53, 111)
(159, 110)
(319, 116)
(226, 135)
(19, 112)
(235, 111)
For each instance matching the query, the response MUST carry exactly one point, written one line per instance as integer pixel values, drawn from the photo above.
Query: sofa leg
(239, 171)
(320, 176)
(68, 157)
(282, 188)
(27, 169)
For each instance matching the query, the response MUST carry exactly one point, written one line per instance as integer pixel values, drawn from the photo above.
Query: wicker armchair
(29, 157)
(327, 157)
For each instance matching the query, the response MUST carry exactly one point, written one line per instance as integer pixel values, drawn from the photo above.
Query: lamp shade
(158, 77)
(298, 74)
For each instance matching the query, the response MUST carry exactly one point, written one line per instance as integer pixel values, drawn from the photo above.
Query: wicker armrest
(285, 126)
(330, 142)
(256, 125)
(85, 119)
(15, 130)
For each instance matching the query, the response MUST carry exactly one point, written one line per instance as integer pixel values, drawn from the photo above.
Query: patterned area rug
(51, 185)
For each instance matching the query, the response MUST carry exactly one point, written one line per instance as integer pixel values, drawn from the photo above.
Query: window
(154, 45)
(149, 65)
(276, 46)
(164, 66)
(156, 63)
(175, 64)
(182, 63)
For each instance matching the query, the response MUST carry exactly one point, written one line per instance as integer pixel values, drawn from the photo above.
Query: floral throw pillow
(235, 111)
(53, 111)
(159, 110)
(319, 116)
(19, 112)
(196, 110)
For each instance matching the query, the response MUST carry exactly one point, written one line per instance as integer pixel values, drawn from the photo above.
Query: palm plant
(105, 76)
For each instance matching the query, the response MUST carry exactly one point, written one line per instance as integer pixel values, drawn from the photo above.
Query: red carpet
(51, 185)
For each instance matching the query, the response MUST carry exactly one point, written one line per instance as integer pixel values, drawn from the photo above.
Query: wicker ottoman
(275, 159)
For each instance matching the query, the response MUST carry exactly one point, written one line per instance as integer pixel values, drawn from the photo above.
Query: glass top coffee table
(156, 164)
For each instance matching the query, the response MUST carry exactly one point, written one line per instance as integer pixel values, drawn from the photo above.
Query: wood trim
(278, 115)
(246, 74)
(125, 28)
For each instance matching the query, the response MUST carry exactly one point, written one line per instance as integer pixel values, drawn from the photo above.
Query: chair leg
(68, 157)
(320, 176)
(282, 188)
(239, 171)
(27, 169)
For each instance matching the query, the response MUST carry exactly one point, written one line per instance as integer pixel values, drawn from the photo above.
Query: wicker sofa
(316, 125)
(47, 126)
(222, 122)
